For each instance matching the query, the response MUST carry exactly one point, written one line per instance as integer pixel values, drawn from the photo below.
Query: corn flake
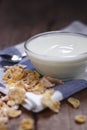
(16, 94)
(49, 102)
(3, 120)
(39, 88)
(14, 113)
(11, 103)
(31, 81)
(74, 102)
(80, 119)
(54, 80)
(26, 124)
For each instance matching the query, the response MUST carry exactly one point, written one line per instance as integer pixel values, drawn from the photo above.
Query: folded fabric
(33, 101)
(76, 27)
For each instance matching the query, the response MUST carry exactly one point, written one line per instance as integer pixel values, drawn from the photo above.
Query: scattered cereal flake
(14, 113)
(11, 103)
(17, 94)
(51, 91)
(1, 104)
(3, 109)
(3, 120)
(13, 73)
(74, 102)
(30, 80)
(80, 119)
(26, 124)
(54, 80)
(49, 102)
(31, 85)
(30, 76)
(46, 82)
(39, 88)
(10, 84)
(20, 84)
(4, 98)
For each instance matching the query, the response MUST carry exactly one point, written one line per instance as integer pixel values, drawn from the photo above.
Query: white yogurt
(58, 55)
(56, 45)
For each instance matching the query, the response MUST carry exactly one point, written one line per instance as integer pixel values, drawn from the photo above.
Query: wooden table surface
(19, 20)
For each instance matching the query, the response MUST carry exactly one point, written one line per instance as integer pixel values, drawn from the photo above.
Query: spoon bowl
(12, 58)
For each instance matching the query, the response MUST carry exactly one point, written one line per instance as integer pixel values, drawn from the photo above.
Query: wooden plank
(22, 33)
(14, 124)
(48, 120)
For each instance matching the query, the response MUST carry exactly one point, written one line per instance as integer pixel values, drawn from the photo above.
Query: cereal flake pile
(20, 80)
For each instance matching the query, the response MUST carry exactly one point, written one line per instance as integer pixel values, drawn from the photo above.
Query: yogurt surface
(60, 45)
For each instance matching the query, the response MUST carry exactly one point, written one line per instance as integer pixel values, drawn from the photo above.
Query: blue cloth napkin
(10, 51)
(69, 87)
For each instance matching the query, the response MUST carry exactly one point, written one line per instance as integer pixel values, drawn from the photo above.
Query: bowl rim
(79, 57)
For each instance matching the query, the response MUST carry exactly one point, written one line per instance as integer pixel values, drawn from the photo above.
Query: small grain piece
(14, 113)
(80, 119)
(74, 102)
(26, 124)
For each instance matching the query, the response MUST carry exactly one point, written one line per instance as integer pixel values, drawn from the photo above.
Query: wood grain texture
(20, 19)
(64, 120)
(14, 124)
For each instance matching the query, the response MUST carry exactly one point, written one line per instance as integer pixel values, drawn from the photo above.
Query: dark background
(21, 19)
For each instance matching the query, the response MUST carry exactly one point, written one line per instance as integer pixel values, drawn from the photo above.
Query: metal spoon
(12, 58)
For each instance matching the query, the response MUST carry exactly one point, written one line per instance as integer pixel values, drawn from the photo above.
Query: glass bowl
(58, 54)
